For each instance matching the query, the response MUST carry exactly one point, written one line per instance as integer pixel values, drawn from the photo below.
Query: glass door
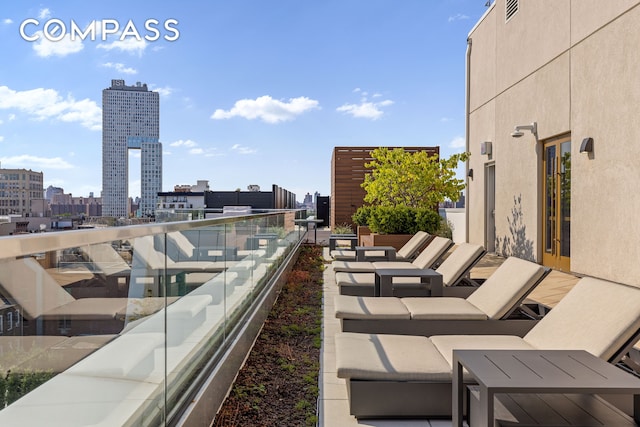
(557, 204)
(490, 207)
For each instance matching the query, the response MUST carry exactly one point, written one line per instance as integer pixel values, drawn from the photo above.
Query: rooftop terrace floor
(333, 405)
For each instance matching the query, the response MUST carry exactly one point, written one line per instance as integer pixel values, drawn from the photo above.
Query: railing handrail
(27, 244)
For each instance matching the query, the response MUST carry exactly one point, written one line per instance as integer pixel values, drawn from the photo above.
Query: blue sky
(251, 92)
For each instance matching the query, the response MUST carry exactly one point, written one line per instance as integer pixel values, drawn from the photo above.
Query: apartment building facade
(19, 189)
(552, 103)
(130, 120)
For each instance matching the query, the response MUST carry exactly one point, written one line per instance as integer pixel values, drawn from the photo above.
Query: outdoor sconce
(485, 148)
(533, 127)
(470, 174)
(587, 145)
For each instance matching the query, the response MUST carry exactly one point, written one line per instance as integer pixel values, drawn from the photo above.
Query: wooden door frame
(554, 259)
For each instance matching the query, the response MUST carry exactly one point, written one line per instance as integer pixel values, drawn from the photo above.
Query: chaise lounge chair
(406, 253)
(454, 270)
(489, 309)
(426, 259)
(391, 376)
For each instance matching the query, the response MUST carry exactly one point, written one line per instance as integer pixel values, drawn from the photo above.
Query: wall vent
(511, 8)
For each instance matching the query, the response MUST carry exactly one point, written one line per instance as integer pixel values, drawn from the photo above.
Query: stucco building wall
(573, 68)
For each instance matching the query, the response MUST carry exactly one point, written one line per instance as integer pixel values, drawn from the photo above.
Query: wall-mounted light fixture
(533, 127)
(470, 174)
(587, 145)
(485, 148)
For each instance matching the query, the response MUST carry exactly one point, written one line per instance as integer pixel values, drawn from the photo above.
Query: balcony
(126, 325)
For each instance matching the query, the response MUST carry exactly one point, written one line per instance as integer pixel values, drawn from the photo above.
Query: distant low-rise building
(18, 187)
(66, 204)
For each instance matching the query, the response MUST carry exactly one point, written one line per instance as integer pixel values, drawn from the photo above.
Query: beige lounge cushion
(379, 265)
(352, 266)
(355, 279)
(596, 315)
(447, 343)
(403, 254)
(349, 255)
(433, 252)
(506, 286)
(351, 307)
(368, 266)
(343, 254)
(369, 279)
(442, 309)
(458, 262)
(389, 357)
(413, 245)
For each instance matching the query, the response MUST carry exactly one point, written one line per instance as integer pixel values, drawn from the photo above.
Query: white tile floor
(333, 405)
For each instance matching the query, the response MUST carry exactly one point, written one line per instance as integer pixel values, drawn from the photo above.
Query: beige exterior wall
(572, 68)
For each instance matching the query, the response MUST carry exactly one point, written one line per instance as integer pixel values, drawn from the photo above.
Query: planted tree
(404, 189)
(415, 180)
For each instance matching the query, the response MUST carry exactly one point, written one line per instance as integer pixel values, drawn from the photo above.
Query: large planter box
(362, 231)
(395, 240)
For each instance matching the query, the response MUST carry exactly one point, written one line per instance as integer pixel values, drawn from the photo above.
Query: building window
(511, 8)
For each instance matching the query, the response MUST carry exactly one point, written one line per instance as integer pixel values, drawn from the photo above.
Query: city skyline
(251, 93)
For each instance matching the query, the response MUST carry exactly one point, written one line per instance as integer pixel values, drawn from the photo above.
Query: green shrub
(403, 220)
(428, 220)
(362, 214)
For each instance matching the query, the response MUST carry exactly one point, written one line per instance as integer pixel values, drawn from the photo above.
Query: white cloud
(129, 45)
(458, 17)
(366, 109)
(46, 48)
(196, 151)
(267, 109)
(48, 104)
(44, 13)
(1, 138)
(12, 117)
(121, 68)
(27, 161)
(243, 150)
(164, 91)
(458, 142)
(184, 143)
(445, 119)
(7, 21)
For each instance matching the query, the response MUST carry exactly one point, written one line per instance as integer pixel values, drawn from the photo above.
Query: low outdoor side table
(536, 371)
(384, 280)
(389, 252)
(352, 238)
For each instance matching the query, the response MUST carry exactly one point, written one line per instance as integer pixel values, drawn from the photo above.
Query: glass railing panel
(150, 305)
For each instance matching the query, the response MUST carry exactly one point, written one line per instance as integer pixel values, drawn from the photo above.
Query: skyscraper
(130, 120)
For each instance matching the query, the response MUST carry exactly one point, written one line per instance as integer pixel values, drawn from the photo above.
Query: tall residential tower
(130, 120)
